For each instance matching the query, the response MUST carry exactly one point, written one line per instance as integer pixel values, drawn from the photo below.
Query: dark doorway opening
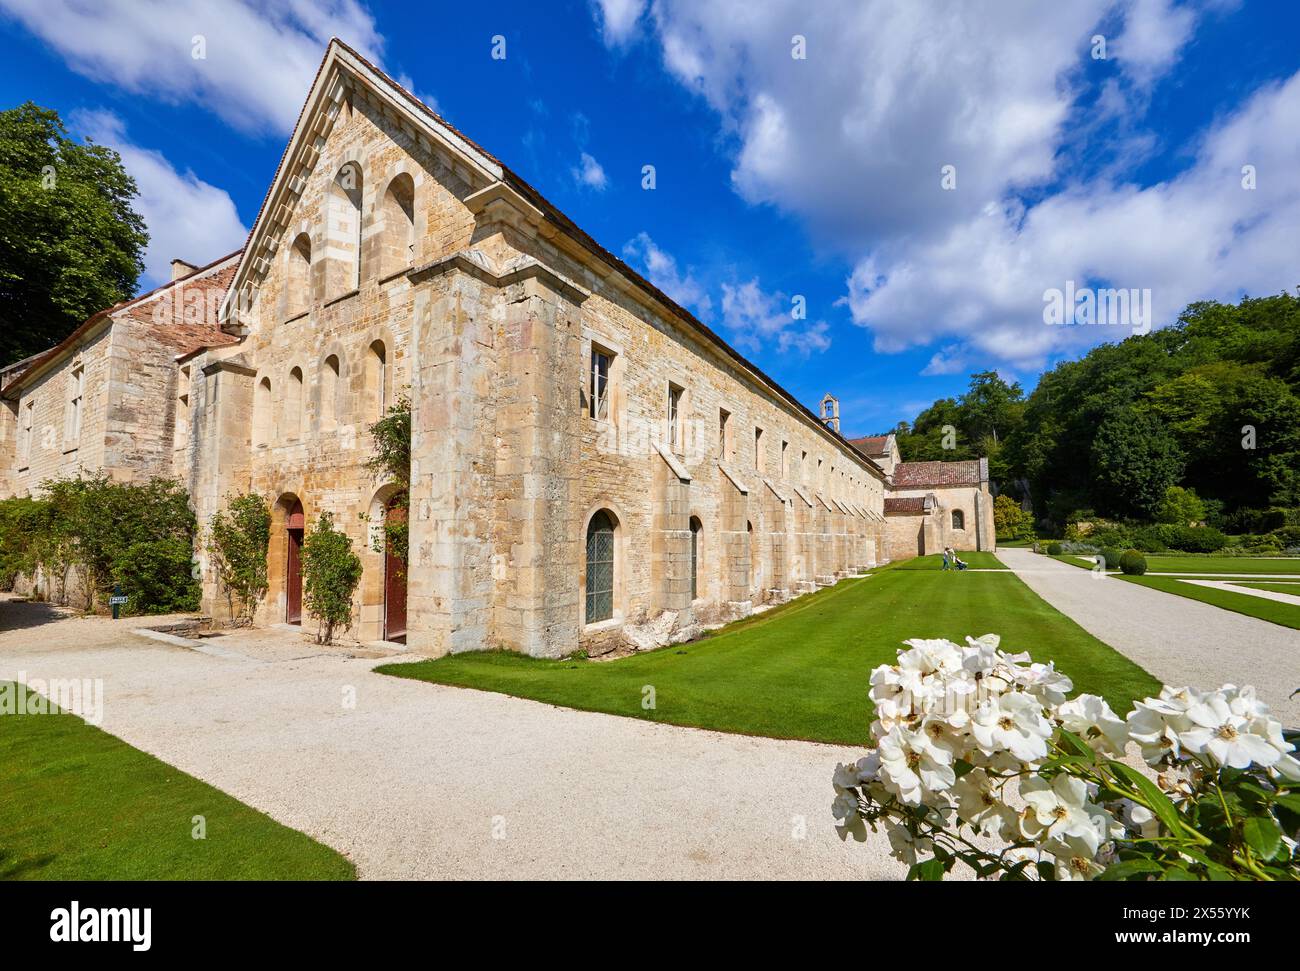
(296, 527)
(394, 582)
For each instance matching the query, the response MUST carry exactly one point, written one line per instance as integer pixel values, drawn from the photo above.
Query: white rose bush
(980, 757)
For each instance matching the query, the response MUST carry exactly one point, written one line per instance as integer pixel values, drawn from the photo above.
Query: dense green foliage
(111, 812)
(238, 540)
(1211, 404)
(797, 671)
(71, 245)
(1011, 521)
(392, 461)
(331, 573)
(136, 537)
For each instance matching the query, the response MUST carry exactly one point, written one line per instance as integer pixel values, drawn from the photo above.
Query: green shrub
(1010, 521)
(1151, 539)
(1180, 506)
(238, 540)
(1287, 536)
(93, 525)
(1111, 556)
(1197, 539)
(157, 576)
(1133, 563)
(331, 573)
(1053, 549)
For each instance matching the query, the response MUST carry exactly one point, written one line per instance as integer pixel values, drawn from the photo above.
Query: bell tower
(830, 411)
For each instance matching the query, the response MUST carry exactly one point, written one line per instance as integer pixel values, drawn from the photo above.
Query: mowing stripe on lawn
(802, 672)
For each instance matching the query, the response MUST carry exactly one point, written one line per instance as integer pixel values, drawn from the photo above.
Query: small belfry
(830, 411)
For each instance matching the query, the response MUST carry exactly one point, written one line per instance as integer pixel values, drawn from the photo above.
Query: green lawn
(79, 804)
(1241, 603)
(801, 671)
(1276, 586)
(1174, 563)
(974, 560)
(1079, 561)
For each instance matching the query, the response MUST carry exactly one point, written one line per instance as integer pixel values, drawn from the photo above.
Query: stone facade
(106, 398)
(591, 466)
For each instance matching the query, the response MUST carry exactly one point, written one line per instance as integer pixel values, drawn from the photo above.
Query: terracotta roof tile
(873, 445)
(905, 506)
(925, 475)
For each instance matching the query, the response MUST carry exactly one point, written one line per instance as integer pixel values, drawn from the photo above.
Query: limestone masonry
(592, 467)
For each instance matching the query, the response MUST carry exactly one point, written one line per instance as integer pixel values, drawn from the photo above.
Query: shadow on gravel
(24, 614)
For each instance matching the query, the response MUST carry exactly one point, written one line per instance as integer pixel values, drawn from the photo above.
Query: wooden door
(394, 584)
(293, 570)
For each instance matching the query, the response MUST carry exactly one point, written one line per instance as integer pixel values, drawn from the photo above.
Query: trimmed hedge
(1133, 563)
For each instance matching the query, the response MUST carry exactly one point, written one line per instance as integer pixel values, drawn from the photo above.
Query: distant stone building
(592, 467)
(106, 398)
(932, 505)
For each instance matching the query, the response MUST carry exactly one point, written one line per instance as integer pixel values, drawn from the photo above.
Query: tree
(1180, 507)
(72, 245)
(1010, 521)
(1134, 460)
(331, 573)
(238, 541)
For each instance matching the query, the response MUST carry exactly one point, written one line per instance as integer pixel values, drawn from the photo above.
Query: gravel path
(1180, 641)
(424, 781)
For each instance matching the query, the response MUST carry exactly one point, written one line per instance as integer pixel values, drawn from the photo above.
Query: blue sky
(777, 176)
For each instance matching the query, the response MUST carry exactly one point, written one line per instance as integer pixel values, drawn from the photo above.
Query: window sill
(341, 297)
(602, 625)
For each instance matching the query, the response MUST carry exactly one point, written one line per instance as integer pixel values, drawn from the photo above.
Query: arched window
(397, 239)
(262, 423)
(343, 231)
(297, 279)
(696, 526)
(958, 519)
(600, 567)
(293, 405)
(378, 379)
(329, 392)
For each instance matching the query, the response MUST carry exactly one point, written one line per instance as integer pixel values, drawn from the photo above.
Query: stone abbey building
(591, 465)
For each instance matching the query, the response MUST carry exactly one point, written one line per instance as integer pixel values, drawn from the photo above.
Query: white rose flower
(1139, 819)
(1089, 717)
(1226, 737)
(1013, 722)
(978, 804)
(1046, 683)
(1075, 858)
(906, 847)
(911, 767)
(1155, 726)
(1060, 808)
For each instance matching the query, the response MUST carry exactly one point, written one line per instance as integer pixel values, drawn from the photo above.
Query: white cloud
(1199, 235)
(588, 172)
(661, 269)
(187, 218)
(617, 18)
(853, 139)
(259, 59)
(758, 320)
